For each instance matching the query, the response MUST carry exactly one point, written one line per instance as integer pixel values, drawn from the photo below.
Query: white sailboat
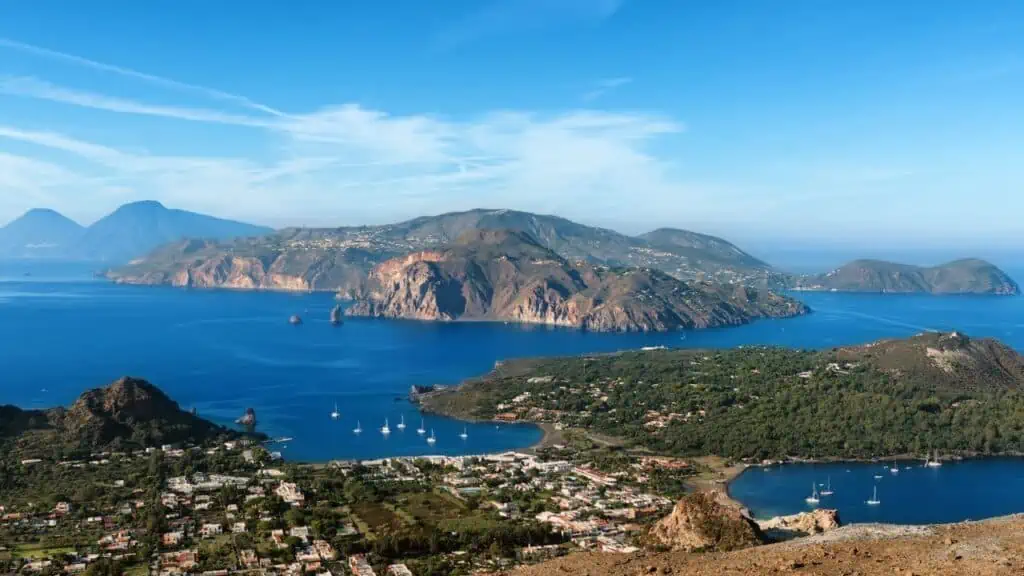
(401, 425)
(385, 430)
(465, 433)
(432, 440)
(335, 415)
(359, 428)
(421, 430)
(933, 463)
(895, 468)
(874, 498)
(813, 498)
(828, 488)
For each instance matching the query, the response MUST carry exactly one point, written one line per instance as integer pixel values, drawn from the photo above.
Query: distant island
(128, 413)
(967, 276)
(933, 392)
(340, 259)
(131, 231)
(505, 275)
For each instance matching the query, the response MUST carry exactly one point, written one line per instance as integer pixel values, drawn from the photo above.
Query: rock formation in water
(700, 522)
(968, 276)
(503, 275)
(336, 316)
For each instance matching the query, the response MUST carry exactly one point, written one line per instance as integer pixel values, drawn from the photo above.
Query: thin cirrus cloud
(605, 86)
(342, 163)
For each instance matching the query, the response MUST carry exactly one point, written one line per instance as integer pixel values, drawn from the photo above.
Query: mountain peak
(142, 205)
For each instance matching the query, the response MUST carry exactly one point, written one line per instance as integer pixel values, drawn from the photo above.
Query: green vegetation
(933, 392)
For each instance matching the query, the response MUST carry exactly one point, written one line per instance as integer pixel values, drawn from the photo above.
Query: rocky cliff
(504, 275)
(968, 276)
(783, 528)
(700, 522)
(128, 413)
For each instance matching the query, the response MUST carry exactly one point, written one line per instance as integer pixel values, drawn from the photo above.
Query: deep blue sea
(956, 491)
(223, 351)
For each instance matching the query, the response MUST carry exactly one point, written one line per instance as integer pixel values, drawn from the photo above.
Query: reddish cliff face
(507, 276)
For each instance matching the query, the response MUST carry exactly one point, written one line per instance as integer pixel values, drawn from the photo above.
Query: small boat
(335, 415)
(895, 469)
(385, 430)
(933, 463)
(358, 429)
(878, 476)
(813, 498)
(874, 498)
(421, 430)
(401, 425)
(432, 440)
(465, 434)
(828, 488)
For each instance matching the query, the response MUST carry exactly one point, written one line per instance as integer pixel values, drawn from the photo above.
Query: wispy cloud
(341, 163)
(605, 86)
(503, 17)
(128, 72)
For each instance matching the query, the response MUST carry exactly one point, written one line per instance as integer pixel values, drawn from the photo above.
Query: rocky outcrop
(129, 412)
(968, 276)
(700, 522)
(504, 275)
(783, 528)
(336, 316)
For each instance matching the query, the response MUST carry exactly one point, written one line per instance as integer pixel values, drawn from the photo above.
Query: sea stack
(295, 320)
(336, 316)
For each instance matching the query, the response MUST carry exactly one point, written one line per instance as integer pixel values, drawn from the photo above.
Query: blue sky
(774, 123)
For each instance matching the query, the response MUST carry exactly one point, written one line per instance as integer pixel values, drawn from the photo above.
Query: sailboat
(421, 430)
(335, 415)
(385, 430)
(359, 428)
(813, 498)
(465, 433)
(874, 498)
(401, 425)
(432, 438)
(828, 489)
(933, 463)
(895, 468)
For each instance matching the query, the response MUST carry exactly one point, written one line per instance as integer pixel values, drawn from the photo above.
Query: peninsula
(887, 398)
(505, 275)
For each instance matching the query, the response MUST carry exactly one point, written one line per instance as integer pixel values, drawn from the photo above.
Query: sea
(62, 331)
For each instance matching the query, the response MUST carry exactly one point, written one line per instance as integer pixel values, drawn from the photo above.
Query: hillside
(503, 275)
(968, 276)
(299, 255)
(127, 413)
(944, 392)
(39, 234)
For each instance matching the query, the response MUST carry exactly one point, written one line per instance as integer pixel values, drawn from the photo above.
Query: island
(966, 276)
(507, 275)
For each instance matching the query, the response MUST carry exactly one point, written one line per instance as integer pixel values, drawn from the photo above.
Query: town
(233, 508)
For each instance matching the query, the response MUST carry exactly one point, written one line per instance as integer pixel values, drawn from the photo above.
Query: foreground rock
(128, 413)
(783, 528)
(700, 522)
(969, 276)
(990, 548)
(508, 276)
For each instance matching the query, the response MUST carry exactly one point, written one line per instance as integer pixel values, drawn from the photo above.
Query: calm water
(972, 489)
(221, 351)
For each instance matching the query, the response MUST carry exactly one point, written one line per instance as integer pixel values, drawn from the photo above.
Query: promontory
(966, 276)
(505, 275)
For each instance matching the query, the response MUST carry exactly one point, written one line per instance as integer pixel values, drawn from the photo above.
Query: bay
(221, 352)
(955, 492)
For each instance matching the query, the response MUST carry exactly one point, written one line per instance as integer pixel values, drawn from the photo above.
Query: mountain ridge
(130, 231)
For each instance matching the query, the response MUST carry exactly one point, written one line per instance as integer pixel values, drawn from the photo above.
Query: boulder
(701, 522)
